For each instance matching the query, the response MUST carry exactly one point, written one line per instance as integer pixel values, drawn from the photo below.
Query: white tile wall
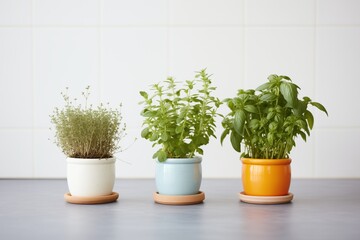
(338, 58)
(16, 12)
(220, 50)
(120, 47)
(135, 12)
(221, 161)
(280, 12)
(280, 50)
(49, 161)
(338, 12)
(16, 93)
(136, 161)
(206, 12)
(63, 57)
(302, 165)
(66, 12)
(132, 59)
(334, 154)
(17, 151)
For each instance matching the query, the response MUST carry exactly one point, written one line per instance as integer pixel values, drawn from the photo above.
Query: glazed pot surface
(179, 176)
(90, 177)
(266, 177)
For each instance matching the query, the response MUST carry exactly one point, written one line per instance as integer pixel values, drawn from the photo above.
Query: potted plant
(180, 120)
(263, 125)
(89, 136)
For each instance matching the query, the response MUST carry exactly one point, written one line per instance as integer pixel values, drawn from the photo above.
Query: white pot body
(90, 177)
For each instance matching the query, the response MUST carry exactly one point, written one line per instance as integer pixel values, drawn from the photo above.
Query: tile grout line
(242, 83)
(337, 128)
(100, 70)
(168, 38)
(177, 25)
(314, 84)
(33, 89)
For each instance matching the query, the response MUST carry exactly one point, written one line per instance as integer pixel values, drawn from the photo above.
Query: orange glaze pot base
(266, 177)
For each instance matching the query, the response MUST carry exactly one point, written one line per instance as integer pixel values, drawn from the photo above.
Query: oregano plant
(180, 119)
(264, 123)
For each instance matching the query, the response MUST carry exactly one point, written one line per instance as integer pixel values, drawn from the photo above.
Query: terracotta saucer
(91, 200)
(180, 199)
(266, 199)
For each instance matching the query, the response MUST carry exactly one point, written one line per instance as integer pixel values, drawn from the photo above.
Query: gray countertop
(321, 209)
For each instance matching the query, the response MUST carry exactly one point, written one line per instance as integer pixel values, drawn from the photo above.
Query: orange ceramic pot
(266, 177)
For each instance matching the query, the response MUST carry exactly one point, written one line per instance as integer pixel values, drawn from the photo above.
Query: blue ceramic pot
(179, 176)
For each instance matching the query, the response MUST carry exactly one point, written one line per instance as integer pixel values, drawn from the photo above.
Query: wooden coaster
(91, 200)
(266, 199)
(179, 199)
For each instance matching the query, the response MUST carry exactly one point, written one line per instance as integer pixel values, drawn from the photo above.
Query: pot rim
(91, 160)
(196, 159)
(257, 161)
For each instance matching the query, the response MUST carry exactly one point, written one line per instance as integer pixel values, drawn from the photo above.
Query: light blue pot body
(179, 176)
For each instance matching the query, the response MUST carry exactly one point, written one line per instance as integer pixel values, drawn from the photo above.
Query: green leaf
(145, 132)
(289, 129)
(301, 123)
(303, 135)
(254, 124)
(289, 92)
(164, 137)
(239, 121)
(273, 127)
(306, 99)
(226, 100)
(263, 86)
(223, 135)
(300, 108)
(270, 115)
(270, 138)
(310, 118)
(273, 77)
(319, 106)
(267, 97)
(161, 156)
(289, 144)
(178, 129)
(147, 113)
(235, 140)
(251, 108)
(144, 94)
(231, 104)
(183, 112)
(285, 77)
(154, 136)
(178, 120)
(306, 128)
(156, 153)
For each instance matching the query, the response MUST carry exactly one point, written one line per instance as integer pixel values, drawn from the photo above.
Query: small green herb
(267, 120)
(181, 120)
(87, 132)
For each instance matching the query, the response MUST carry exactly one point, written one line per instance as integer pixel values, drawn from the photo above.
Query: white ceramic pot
(90, 177)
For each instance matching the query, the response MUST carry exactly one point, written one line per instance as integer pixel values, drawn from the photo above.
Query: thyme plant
(85, 131)
(266, 121)
(180, 119)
